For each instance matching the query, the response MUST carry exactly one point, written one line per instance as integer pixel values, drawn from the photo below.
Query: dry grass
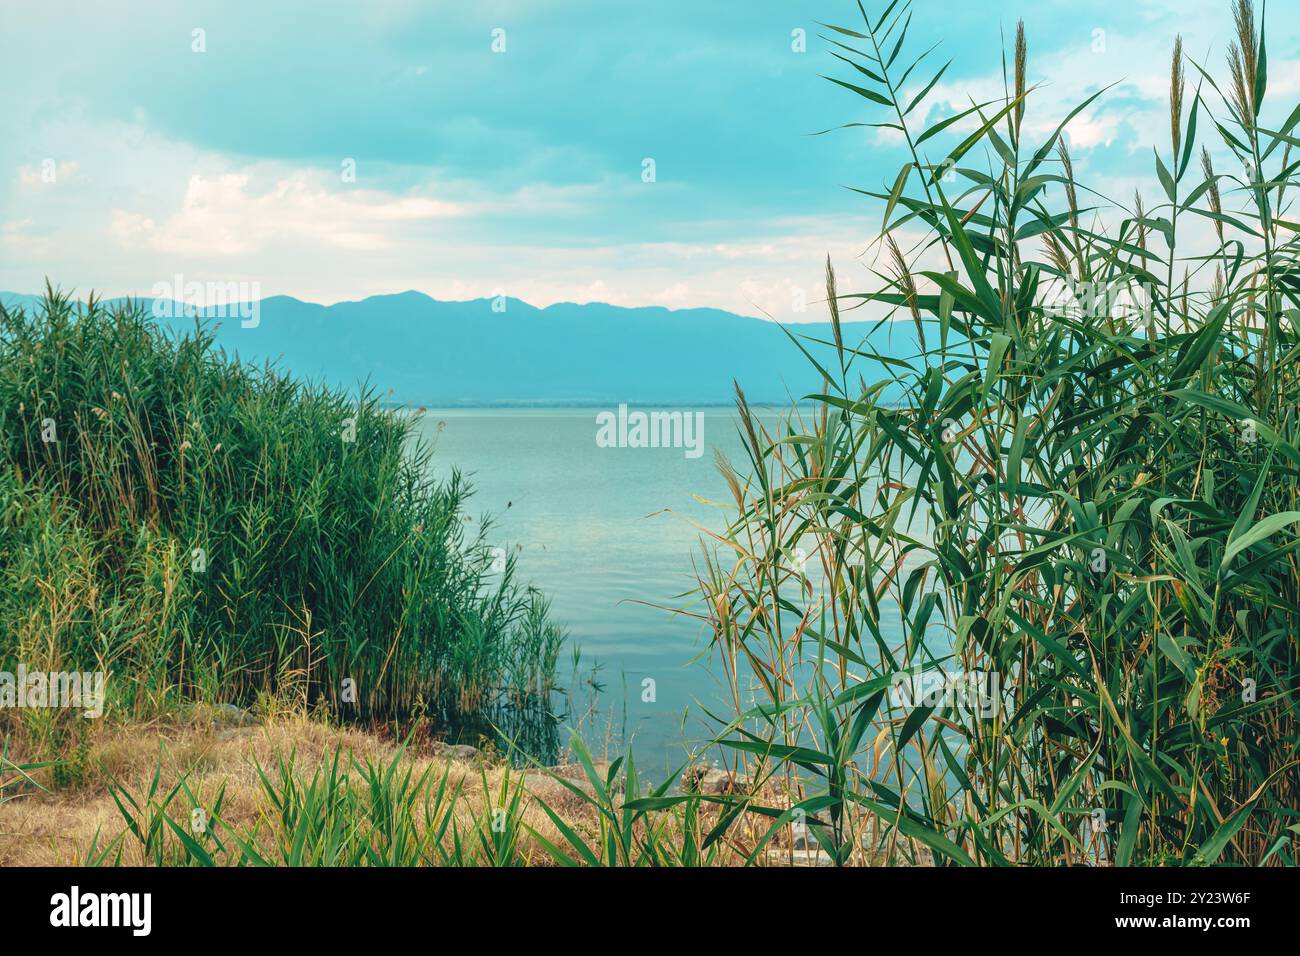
(57, 827)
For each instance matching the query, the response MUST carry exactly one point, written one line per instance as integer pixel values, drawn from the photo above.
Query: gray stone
(455, 751)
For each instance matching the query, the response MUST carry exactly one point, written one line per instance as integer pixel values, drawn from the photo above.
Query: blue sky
(520, 172)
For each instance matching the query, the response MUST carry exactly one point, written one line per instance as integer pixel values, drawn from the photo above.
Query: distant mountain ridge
(435, 353)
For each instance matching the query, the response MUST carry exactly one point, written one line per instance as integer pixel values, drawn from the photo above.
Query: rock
(710, 781)
(232, 714)
(455, 751)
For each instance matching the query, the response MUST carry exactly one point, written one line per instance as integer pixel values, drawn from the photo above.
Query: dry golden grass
(57, 827)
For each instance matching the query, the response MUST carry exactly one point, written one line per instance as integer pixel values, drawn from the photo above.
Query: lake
(610, 535)
(600, 530)
(606, 533)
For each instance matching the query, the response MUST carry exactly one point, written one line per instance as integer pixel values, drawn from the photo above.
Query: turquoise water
(600, 530)
(612, 535)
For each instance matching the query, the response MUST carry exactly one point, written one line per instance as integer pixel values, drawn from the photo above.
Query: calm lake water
(607, 533)
(600, 530)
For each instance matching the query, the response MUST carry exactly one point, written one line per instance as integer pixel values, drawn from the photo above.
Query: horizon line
(409, 292)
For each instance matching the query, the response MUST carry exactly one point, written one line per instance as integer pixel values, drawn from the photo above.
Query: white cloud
(224, 216)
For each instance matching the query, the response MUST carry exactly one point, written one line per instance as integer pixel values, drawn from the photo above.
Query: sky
(332, 150)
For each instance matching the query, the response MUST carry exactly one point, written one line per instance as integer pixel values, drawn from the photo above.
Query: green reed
(1090, 496)
(201, 528)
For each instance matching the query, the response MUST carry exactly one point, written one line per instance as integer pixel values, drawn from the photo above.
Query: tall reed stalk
(1087, 497)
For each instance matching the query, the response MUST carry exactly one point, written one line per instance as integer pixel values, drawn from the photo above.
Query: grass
(294, 791)
(291, 791)
(14, 775)
(1092, 497)
(202, 529)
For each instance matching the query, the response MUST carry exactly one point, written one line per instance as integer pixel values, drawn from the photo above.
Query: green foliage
(354, 813)
(376, 815)
(1089, 490)
(657, 829)
(201, 528)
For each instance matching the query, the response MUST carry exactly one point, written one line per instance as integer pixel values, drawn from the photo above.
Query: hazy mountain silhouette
(430, 352)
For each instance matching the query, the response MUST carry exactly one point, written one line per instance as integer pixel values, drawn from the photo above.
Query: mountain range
(416, 350)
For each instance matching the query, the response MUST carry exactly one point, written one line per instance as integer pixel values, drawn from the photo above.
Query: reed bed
(1086, 500)
(203, 529)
